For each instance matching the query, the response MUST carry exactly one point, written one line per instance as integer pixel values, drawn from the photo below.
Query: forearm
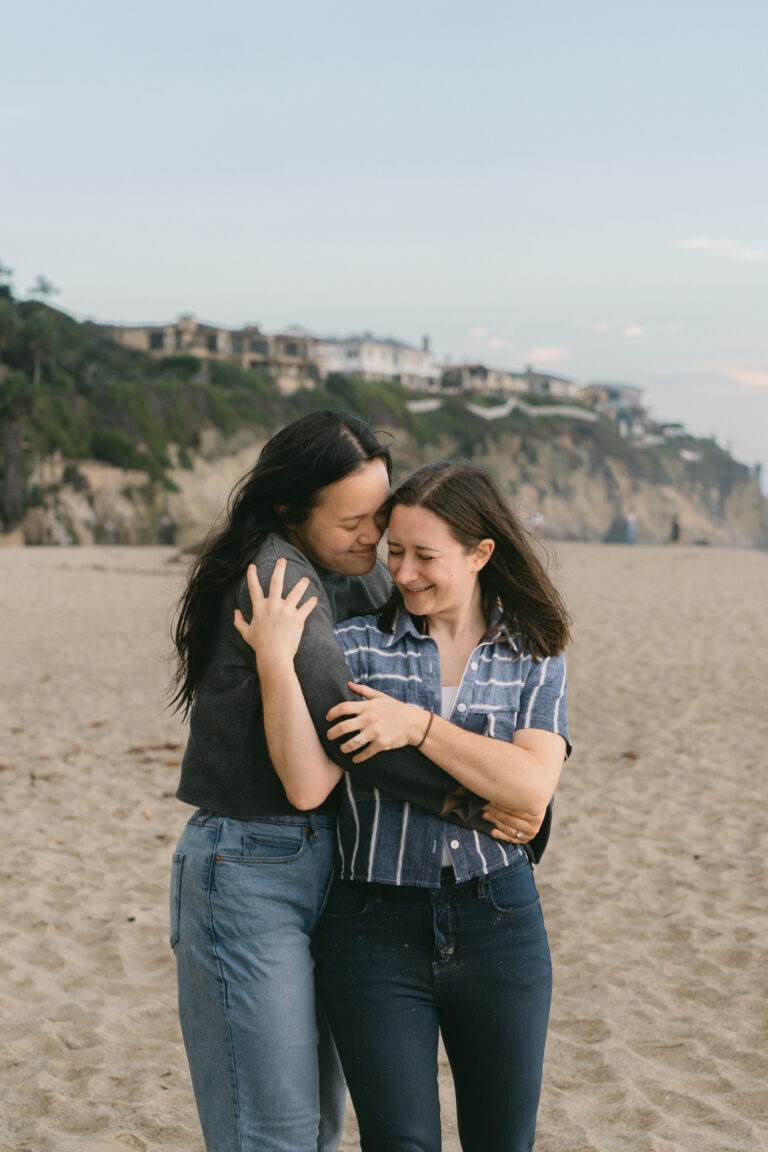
(306, 772)
(402, 773)
(504, 773)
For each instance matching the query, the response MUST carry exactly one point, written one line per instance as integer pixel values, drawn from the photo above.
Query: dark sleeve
(323, 674)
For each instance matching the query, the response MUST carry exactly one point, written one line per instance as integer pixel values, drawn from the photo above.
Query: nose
(369, 532)
(404, 570)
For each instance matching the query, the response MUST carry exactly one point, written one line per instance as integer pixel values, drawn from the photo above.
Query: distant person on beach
(429, 928)
(631, 525)
(537, 524)
(252, 870)
(675, 530)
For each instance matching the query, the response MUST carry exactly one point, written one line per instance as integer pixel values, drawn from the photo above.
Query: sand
(654, 884)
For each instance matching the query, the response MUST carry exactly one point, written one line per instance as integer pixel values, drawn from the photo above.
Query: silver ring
(357, 739)
(519, 835)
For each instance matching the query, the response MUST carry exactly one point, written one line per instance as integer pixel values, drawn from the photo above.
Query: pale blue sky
(580, 185)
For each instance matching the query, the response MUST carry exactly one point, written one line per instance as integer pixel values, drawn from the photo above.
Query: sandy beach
(654, 884)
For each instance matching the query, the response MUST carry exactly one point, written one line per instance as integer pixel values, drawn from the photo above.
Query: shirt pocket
(501, 723)
(497, 701)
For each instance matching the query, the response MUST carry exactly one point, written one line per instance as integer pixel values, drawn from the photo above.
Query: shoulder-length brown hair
(517, 592)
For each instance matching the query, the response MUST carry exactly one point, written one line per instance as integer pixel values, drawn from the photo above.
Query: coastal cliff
(582, 491)
(102, 444)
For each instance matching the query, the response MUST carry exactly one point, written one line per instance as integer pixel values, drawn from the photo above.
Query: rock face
(581, 493)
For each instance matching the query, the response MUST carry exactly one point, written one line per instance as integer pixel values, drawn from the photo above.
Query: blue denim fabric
(503, 690)
(398, 964)
(246, 897)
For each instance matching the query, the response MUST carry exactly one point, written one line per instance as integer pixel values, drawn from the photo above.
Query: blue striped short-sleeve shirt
(503, 689)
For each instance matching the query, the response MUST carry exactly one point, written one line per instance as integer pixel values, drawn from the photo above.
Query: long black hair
(292, 469)
(516, 591)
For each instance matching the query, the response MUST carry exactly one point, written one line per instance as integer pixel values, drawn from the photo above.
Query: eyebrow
(420, 547)
(359, 515)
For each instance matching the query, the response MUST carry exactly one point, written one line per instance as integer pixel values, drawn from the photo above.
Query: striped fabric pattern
(502, 690)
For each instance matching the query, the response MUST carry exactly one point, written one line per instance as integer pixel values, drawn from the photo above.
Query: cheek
(337, 542)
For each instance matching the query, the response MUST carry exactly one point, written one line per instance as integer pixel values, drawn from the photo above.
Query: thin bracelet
(426, 730)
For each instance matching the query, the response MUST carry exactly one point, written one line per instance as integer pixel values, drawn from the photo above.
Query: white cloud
(748, 254)
(748, 377)
(602, 326)
(672, 327)
(499, 342)
(479, 333)
(702, 242)
(634, 330)
(727, 248)
(547, 354)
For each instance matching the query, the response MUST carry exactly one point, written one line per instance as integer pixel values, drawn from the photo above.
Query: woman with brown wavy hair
(432, 929)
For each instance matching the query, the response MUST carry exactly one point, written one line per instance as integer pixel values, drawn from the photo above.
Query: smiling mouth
(414, 591)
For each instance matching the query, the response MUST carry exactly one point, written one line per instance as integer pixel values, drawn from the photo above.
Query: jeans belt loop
(312, 827)
(482, 887)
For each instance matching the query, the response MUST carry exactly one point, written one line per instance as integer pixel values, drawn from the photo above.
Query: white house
(545, 384)
(470, 377)
(368, 358)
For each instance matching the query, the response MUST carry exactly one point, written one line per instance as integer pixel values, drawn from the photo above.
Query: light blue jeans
(246, 898)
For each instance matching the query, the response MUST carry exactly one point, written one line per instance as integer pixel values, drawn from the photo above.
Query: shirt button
(454, 843)
(473, 665)
(462, 707)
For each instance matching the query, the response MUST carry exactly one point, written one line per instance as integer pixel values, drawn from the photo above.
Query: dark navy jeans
(471, 961)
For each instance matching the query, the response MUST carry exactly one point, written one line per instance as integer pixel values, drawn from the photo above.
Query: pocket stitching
(329, 915)
(253, 858)
(511, 911)
(178, 858)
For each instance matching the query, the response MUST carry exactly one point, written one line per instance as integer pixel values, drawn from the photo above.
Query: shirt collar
(404, 625)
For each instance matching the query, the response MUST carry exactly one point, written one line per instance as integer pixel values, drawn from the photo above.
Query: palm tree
(15, 406)
(43, 287)
(9, 321)
(40, 335)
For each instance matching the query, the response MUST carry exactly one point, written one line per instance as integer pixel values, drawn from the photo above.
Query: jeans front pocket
(270, 842)
(512, 891)
(347, 900)
(176, 866)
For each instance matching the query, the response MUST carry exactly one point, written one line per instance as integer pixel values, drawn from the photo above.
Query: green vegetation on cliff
(66, 389)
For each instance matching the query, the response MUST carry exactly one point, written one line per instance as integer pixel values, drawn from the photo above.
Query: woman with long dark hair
(430, 928)
(253, 868)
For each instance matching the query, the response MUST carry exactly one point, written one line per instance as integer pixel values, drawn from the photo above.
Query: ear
(483, 553)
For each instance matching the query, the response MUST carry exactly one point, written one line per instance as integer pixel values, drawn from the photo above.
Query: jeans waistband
(311, 820)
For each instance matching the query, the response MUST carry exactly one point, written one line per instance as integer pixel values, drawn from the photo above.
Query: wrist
(421, 724)
(273, 665)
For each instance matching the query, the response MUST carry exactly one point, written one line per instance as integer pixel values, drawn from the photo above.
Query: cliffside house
(286, 358)
(622, 402)
(545, 384)
(469, 377)
(367, 357)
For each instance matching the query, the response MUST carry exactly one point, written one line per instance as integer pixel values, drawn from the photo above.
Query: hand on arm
(321, 674)
(520, 777)
(274, 633)
(515, 827)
